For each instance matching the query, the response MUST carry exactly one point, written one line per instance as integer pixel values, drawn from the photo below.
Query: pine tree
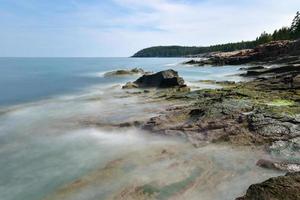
(296, 21)
(264, 38)
(295, 28)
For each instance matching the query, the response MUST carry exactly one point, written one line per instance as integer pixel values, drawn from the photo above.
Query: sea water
(30, 79)
(54, 144)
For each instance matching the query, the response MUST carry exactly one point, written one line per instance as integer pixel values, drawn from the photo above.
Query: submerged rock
(279, 188)
(130, 85)
(281, 166)
(124, 72)
(164, 79)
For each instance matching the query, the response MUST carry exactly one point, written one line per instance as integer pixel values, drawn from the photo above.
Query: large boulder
(164, 79)
(279, 188)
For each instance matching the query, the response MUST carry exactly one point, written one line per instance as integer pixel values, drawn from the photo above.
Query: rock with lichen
(279, 188)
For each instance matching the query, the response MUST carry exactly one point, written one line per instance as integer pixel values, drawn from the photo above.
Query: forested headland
(285, 33)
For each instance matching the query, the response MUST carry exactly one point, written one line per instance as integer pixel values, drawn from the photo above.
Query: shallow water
(167, 169)
(57, 142)
(49, 143)
(31, 79)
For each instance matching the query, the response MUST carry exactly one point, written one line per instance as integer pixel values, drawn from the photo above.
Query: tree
(295, 28)
(264, 38)
(282, 34)
(295, 22)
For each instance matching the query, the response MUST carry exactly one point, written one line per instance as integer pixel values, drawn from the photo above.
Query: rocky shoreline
(277, 52)
(263, 112)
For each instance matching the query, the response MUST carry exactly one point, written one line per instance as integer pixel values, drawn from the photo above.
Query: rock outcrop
(164, 79)
(279, 188)
(265, 112)
(259, 112)
(274, 52)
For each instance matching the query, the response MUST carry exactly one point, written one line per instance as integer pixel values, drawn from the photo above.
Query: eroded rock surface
(257, 112)
(164, 79)
(279, 188)
(284, 51)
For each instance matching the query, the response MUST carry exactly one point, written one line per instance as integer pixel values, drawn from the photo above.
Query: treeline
(285, 33)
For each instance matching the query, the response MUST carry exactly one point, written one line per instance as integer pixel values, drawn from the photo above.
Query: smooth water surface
(55, 143)
(30, 79)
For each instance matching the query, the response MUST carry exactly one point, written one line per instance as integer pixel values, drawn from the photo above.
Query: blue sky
(121, 27)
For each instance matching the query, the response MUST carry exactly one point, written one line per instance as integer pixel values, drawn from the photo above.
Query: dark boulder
(279, 188)
(164, 79)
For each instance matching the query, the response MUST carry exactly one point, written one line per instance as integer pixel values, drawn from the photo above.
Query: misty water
(54, 142)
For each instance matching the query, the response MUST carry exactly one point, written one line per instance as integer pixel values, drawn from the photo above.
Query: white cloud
(121, 27)
(197, 23)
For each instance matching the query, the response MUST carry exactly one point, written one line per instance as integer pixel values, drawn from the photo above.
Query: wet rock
(257, 112)
(202, 62)
(289, 149)
(163, 79)
(130, 124)
(130, 85)
(274, 70)
(191, 62)
(211, 122)
(123, 72)
(252, 68)
(279, 188)
(225, 82)
(281, 166)
(197, 113)
(271, 128)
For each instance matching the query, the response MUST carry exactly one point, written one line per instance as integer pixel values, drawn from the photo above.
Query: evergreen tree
(295, 28)
(295, 22)
(282, 34)
(264, 38)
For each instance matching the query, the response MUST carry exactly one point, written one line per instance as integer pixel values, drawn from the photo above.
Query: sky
(117, 28)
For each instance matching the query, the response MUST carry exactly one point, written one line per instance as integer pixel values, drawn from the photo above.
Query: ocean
(31, 79)
(54, 142)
